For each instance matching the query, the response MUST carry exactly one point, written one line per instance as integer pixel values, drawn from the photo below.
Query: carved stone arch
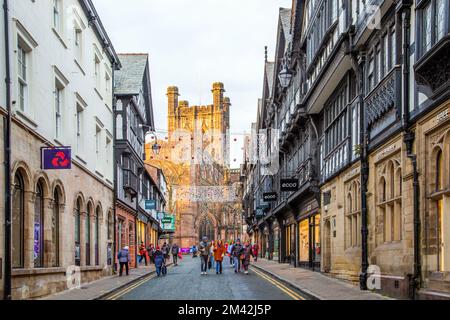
(79, 196)
(25, 172)
(90, 204)
(98, 206)
(58, 186)
(205, 218)
(43, 177)
(437, 149)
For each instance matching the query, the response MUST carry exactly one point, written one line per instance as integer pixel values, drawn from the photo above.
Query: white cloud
(193, 43)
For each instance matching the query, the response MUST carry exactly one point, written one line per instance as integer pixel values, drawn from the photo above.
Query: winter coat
(123, 256)
(204, 248)
(237, 250)
(158, 258)
(219, 250)
(175, 249)
(248, 253)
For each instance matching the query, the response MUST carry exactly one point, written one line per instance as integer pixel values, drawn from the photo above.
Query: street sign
(160, 215)
(270, 197)
(150, 204)
(56, 158)
(289, 185)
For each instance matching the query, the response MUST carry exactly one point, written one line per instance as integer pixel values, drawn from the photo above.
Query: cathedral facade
(195, 160)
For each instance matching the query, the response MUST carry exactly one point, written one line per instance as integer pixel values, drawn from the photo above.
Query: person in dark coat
(204, 249)
(159, 259)
(246, 256)
(175, 252)
(124, 259)
(236, 252)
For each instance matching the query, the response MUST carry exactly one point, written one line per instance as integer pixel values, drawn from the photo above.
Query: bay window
(434, 24)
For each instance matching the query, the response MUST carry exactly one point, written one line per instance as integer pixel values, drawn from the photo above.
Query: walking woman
(246, 256)
(219, 253)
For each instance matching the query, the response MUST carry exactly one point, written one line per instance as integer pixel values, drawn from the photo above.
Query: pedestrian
(165, 250)
(211, 262)
(219, 253)
(175, 251)
(194, 251)
(247, 253)
(230, 255)
(237, 252)
(142, 253)
(255, 250)
(159, 259)
(150, 252)
(124, 258)
(204, 249)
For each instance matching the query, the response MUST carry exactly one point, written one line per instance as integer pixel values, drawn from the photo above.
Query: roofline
(96, 23)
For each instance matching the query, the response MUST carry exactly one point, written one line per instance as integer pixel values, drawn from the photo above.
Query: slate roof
(285, 17)
(270, 69)
(129, 79)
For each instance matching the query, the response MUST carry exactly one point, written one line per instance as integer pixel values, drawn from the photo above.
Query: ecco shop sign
(289, 185)
(56, 158)
(270, 196)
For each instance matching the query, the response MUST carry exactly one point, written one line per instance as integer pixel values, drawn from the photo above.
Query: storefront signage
(259, 213)
(160, 215)
(150, 204)
(442, 116)
(289, 185)
(168, 223)
(386, 152)
(270, 197)
(56, 158)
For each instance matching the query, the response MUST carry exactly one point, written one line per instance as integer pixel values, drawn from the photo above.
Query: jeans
(237, 264)
(158, 270)
(212, 262)
(204, 260)
(123, 264)
(143, 257)
(218, 266)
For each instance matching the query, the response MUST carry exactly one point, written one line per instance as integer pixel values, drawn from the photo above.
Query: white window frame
(59, 103)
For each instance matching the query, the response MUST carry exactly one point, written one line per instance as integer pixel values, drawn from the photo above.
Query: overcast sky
(193, 43)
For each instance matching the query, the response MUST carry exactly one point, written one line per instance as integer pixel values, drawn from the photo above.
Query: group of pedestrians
(213, 253)
(150, 255)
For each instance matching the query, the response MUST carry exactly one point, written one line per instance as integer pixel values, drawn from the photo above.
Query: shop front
(309, 241)
(276, 241)
(288, 245)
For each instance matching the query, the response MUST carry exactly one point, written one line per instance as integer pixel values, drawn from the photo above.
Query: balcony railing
(384, 97)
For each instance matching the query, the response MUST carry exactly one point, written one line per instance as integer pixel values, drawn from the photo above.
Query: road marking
(130, 288)
(279, 285)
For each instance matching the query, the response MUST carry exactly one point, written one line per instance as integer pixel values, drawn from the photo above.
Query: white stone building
(62, 66)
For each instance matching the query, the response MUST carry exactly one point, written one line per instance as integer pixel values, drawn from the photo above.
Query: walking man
(160, 261)
(204, 250)
(247, 253)
(237, 252)
(175, 251)
(165, 251)
(124, 258)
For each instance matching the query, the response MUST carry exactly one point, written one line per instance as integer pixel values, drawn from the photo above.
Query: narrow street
(184, 282)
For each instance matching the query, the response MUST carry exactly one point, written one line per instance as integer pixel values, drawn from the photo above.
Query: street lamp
(285, 77)
(156, 148)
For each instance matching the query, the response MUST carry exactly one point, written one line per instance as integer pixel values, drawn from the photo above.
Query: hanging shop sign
(260, 213)
(289, 185)
(56, 158)
(270, 197)
(168, 223)
(160, 215)
(150, 204)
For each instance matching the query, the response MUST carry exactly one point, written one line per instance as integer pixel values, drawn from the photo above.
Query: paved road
(184, 282)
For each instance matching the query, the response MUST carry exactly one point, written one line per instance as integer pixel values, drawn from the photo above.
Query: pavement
(184, 282)
(97, 289)
(314, 284)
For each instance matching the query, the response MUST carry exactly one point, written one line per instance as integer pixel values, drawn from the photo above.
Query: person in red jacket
(255, 250)
(142, 253)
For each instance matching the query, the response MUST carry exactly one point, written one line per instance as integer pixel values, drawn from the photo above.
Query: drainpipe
(364, 141)
(7, 151)
(115, 187)
(409, 137)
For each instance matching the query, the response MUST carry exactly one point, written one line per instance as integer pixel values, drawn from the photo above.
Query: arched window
(392, 182)
(96, 235)
(55, 230)
(206, 229)
(382, 190)
(78, 233)
(18, 215)
(439, 171)
(38, 245)
(87, 234)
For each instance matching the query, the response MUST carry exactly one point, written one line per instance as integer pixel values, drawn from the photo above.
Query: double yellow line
(126, 290)
(279, 285)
